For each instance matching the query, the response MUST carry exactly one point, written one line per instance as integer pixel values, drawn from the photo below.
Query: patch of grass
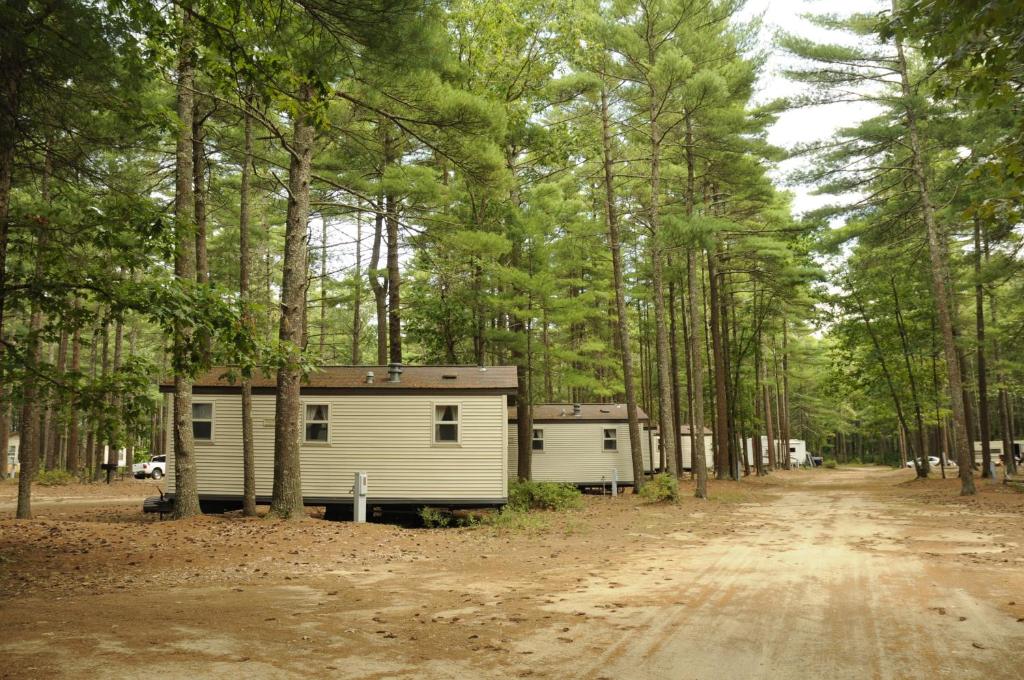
(435, 518)
(661, 488)
(54, 478)
(510, 519)
(830, 463)
(525, 496)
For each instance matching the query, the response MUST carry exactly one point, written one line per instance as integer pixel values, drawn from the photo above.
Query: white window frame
(316, 442)
(212, 421)
(434, 422)
(534, 438)
(605, 438)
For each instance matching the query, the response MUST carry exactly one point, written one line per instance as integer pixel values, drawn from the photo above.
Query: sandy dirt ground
(849, 573)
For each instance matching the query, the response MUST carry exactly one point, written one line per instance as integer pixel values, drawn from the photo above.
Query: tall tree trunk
(5, 431)
(12, 69)
(698, 462)
(619, 284)
(114, 426)
(963, 450)
(721, 406)
(379, 289)
(29, 440)
(784, 410)
(244, 263)
(921, 459)
(74, 459)
(186, 496)
(394, 274)
(287, 500)
(666, 421)
(357, 295)
(979, 309)
(57, 416)
(673, 336)
(323, 290)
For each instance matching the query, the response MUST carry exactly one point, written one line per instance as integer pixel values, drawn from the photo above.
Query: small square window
(611, 440)
(446, 424)
(538, 440)
(202, 421)
(318, 424)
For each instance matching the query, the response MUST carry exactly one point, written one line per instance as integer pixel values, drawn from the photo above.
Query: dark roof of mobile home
(564, 413)
(347, 379)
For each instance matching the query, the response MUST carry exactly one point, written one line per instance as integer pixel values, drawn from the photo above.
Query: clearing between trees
(848, 573)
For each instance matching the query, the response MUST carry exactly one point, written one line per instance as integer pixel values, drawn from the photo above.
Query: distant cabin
(797, 451)
(432, 435)
(13, 445)
(582, 444)
(996, 449)
(687, 448)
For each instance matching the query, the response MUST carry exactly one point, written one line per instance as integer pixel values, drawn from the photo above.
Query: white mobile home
(687, 448)
(996, 448)
(582, 444)
(797, 451)
(13, 444)
(423, 434)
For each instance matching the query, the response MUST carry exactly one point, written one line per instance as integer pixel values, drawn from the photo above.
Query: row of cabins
(436, 435)
(442, 435)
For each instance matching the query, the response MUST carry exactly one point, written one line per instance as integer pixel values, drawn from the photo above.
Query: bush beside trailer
(425, 435)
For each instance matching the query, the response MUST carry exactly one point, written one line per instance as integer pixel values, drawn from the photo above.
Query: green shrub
(830, 463)
(435, 518)
(523, 496)
(663, 487)
(510, 519)
(54, 478)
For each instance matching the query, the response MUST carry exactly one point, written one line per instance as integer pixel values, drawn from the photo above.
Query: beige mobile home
(423, 434)
(684, 430)
(582, 444)
(996, 449)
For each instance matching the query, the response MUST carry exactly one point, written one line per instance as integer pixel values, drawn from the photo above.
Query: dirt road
(858, 573)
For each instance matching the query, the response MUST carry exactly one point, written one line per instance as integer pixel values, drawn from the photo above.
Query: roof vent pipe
(577, 410)
(369, 377)
(394, 373)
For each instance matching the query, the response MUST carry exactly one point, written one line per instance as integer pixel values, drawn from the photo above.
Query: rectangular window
(611, 440)
(446, 424)
(318, 423)
(538, 440)
(202, 421)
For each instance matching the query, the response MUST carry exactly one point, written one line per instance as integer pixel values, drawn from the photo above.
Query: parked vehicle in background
(156, 467)
(934, 462)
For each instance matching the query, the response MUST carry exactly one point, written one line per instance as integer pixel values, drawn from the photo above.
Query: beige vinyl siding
(574, 452)
(687, 449)
(390, 437)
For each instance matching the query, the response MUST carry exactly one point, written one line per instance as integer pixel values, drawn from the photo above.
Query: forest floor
(848, 573)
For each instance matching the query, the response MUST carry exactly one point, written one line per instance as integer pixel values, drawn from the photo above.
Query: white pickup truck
(156, 467)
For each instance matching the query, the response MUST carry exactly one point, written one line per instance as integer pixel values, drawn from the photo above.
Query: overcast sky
(803, 125)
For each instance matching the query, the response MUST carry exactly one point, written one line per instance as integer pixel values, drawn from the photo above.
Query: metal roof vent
(394, 373)
(369, 377)
(577, 410)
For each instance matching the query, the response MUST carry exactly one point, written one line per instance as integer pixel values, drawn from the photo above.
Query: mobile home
(687, 448)
(797, 451)
(423, 434)
(582, 444)
(996, 448)
(13, 444)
